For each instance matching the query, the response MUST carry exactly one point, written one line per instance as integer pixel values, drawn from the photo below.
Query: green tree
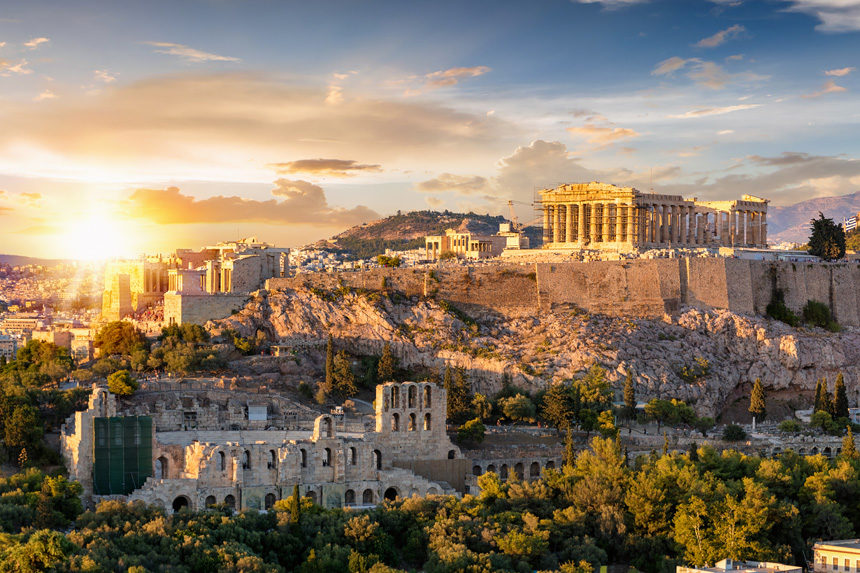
(471, 432)
(849, 448)
(386, 366)
(827, 240)
(822, 399)
(758, 408)
(734, 433)
(121, 383)
(459, 394)
(840, 398)
(558, 406)
(329, 362)
(629, 396)
(119, 337)
(23, 427)
(606, 424)
(343, 378)
(518, 408)
(482, 406)
(594, 390)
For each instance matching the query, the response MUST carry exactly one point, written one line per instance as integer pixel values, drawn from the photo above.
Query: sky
(131, 127)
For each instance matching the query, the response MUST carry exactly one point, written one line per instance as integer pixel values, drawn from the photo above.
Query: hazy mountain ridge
(791, 222)
(20, 260)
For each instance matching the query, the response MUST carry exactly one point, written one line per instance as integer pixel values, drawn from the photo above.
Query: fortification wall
(643, 288)
(198, 309)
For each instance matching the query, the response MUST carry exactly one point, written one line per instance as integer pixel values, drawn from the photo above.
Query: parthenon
(603, 216)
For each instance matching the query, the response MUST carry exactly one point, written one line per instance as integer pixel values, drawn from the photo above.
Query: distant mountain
(407, 231)
(19, 260)
(791, 222)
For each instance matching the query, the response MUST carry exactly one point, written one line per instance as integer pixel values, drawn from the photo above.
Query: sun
(96, 235)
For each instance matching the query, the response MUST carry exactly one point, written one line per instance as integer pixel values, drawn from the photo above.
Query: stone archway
(391, 494)
(230, 502)
(269, 501)
(367, 497)
(181, 503)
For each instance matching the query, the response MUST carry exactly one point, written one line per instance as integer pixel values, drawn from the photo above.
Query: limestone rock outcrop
(700, 356)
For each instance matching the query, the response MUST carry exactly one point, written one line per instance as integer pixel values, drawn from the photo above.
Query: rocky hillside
(791, 223)
(705, 358)
(407, 230)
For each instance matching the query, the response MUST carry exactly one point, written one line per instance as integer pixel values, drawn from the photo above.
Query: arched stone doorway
(160, 469)
(269, 500)
(391, 494)
(367, 496)
(534, 470)
(180, 503)
(311, 495)
(349, 497)
(230, 502)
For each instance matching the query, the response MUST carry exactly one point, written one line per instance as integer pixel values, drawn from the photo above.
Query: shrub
(734, 433)
(789, 426)
(121, 383)
(777, 310)
(818, 314)
(472, 431)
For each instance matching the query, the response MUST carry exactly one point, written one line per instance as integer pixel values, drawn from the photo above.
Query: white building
(840, 555)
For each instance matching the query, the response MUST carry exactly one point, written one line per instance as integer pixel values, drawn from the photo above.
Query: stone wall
(641, 288)
(198, 309)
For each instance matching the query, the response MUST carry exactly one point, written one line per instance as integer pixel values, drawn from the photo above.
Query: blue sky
(180, 122)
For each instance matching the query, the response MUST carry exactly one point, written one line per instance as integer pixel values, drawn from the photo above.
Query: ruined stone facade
(249, 451)
(602, 216)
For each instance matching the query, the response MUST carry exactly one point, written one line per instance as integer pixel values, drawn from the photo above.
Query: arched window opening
(391, 494)
(180, 503)
(534, 470)
(427, 425)
(503, 473)
(230, 502)
(304, 455)
(550, 465)
(395, 397)
(161, 468)
(426, 396)
(377, 459)
(349, 497)
(327, 428)
(210, 501)
(452, 454)
(395, 422)
(412, 393)
(246, 460)
(311, 495)
(518, 471)
(273, 460)
(411, 422)
(327, 457)
(222, 461)
(476, 470)
(491, 468)
(367, 497)
(269, 501)
(353, 456)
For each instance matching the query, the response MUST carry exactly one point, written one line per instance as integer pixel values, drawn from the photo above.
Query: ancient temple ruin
(605, 217)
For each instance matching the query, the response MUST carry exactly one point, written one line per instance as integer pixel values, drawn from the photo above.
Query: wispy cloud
(331, 167)
(602, 136)
(611, 4)
(445, 78)
(829, 87)
(104, 76)
(19, 69)
(36, 42)
(721, 37)
(839, 73)
(189, 54)
(708, 111)
(705, 73)
(463, 184)
(47, 94)
(834, 15)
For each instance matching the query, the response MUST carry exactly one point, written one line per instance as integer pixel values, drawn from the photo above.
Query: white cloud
(188, 53)
(721, 37)
(725, 132)
(47, 94)
(20, 69)
(610, 4)
(104, 76)
(444, 78)
(705, 73)
(36, 42)
(829, 87)
(602, 136)
(839, 73)
(834, 15)
(708, 111)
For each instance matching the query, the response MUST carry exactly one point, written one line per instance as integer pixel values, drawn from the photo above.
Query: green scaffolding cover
(122, 454)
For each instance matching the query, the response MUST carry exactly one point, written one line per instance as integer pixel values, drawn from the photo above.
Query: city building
(840, 555)
(741, 567)
(468, 245)
(602, 216)
(8, 347)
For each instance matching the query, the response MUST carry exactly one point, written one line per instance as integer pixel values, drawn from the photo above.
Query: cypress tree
(757, 401)
(569, 450)
(386, 364)
(629, 396)
(329, 363)
(840, 398)
(849, 449)
(822, 400)
(343, 378)
(694, 452)
(295, 505)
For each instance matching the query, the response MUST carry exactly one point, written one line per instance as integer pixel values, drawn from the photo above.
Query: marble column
(683, 226)
(664, 223)
(546, 225)
(750, 230)
(568, 227)
(631, 215)
(764, 229)
(619, 222)
(676, 220)
(605, 229)
(700, 229)
(593, 231)
(581, 227)
(556, 229)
